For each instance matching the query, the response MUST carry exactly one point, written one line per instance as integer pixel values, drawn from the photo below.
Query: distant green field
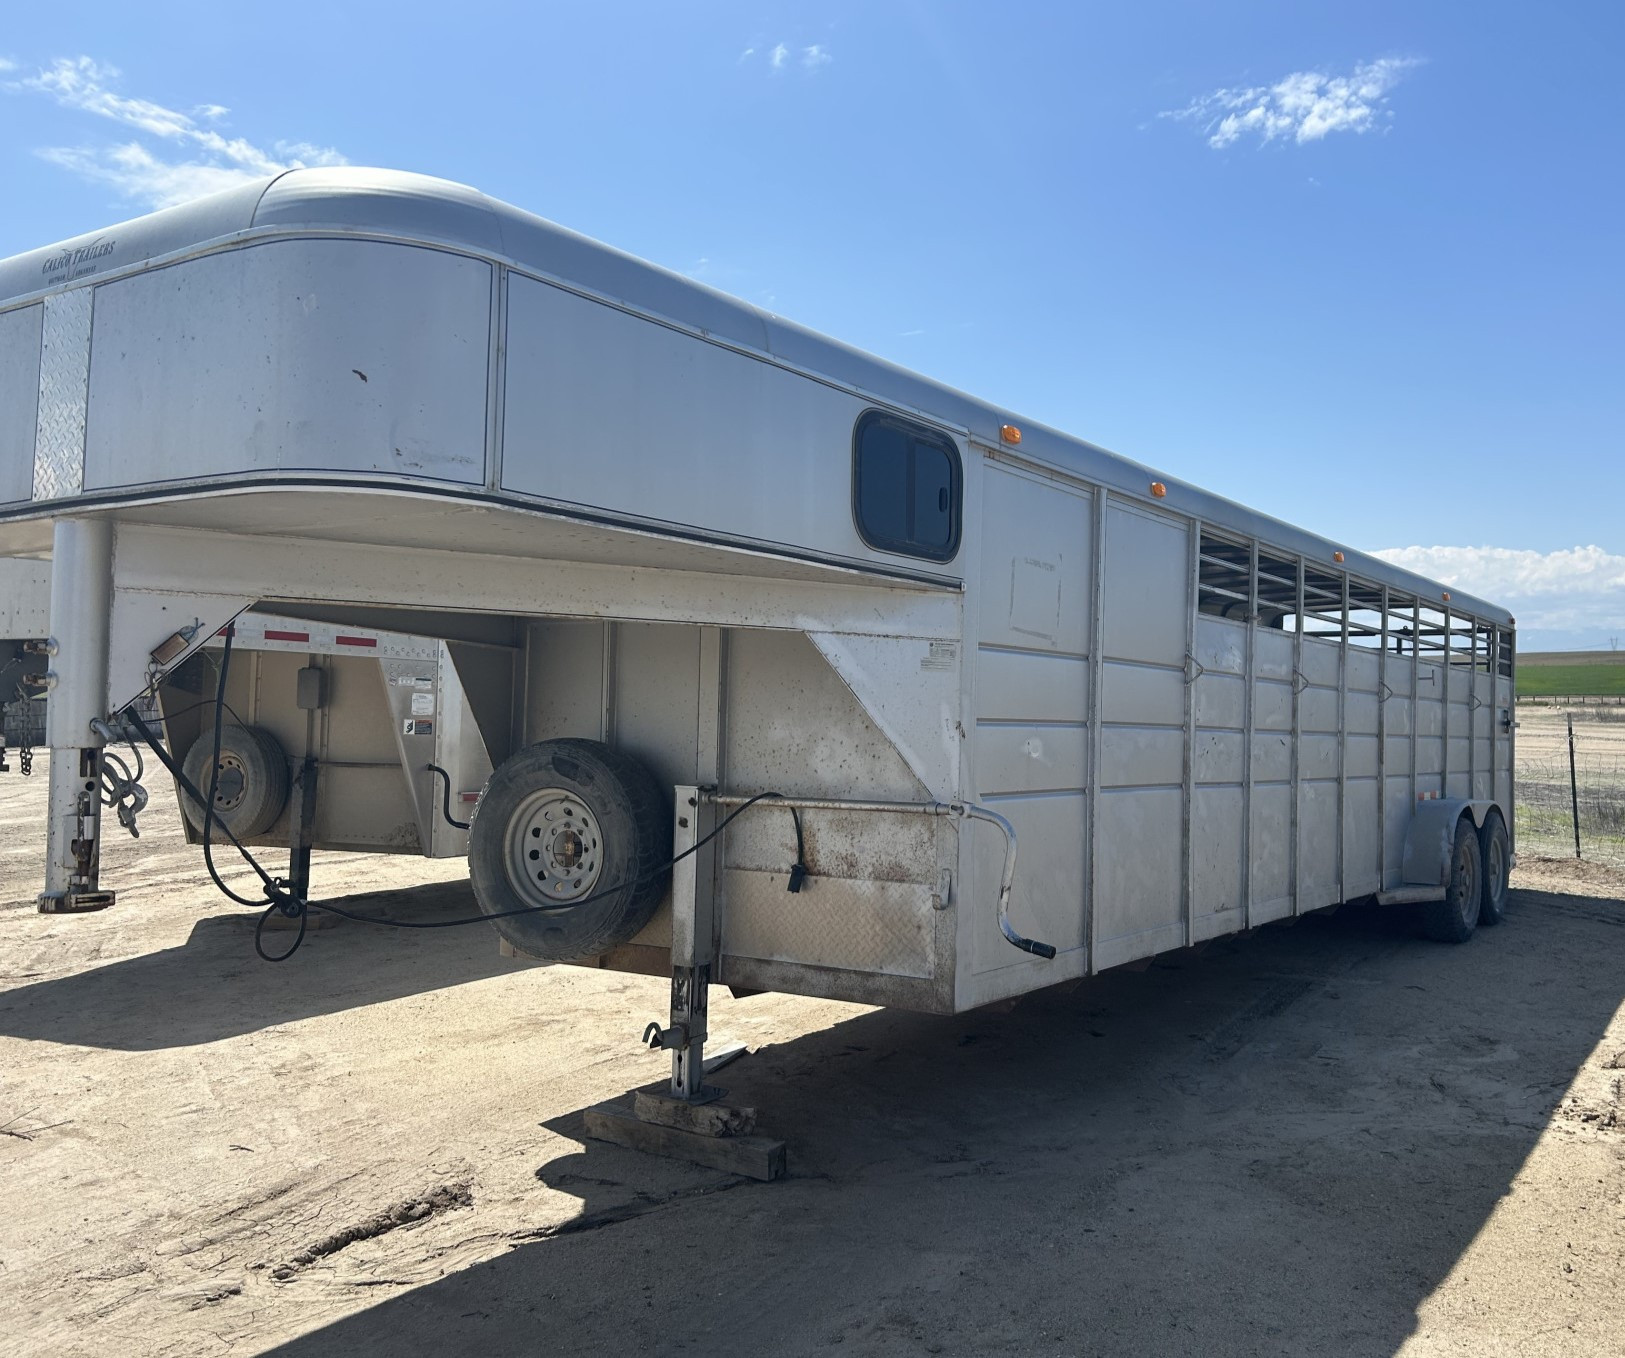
(1570, 680)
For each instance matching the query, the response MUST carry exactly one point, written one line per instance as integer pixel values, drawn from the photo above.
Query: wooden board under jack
(755, 1157)
(716, 1135)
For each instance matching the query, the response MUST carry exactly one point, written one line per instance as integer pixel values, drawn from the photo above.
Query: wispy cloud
(7, 64)
(1302, 107)
(781, 56)
(176, 155)
(1578, 592)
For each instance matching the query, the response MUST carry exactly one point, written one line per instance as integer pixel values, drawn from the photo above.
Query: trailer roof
(416, 208)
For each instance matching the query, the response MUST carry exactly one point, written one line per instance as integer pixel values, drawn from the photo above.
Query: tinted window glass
(933, 524)
(906, 490)
(883, 459)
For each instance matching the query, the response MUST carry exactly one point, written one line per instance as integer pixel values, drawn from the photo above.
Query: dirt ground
(1329, 1138)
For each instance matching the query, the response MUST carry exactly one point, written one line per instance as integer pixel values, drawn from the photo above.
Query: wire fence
(1547, 800)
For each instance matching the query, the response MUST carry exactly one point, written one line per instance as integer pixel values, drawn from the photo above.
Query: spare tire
(252, 786)
(569, 848)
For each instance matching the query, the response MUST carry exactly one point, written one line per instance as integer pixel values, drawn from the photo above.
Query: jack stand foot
(74, 902)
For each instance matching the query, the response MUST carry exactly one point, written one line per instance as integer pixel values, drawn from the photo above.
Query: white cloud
(7, 64)
(1303, 107)
(815, 56)
(191, 159)
(1577, 594)
(777, 57)
(747, 54)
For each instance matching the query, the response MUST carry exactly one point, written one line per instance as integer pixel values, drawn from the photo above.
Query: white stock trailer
(681, 552)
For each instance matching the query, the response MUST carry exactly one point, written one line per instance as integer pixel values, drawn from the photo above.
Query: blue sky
(1361, 266)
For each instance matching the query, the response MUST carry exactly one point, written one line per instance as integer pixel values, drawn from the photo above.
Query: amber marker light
(1337, 556)
(1445, 596)
(1009, 433)
(1158, 490)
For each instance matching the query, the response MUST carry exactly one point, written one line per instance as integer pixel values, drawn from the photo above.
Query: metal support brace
(694, 944)
(81, 606)
(302, 822)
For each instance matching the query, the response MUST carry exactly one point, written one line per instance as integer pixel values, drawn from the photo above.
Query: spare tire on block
(251, 787)
(569, 848)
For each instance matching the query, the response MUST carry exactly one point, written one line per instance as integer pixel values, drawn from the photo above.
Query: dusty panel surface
(656, 698)
(19, 400)
(563, 680)
(296, 355)
(1218, 804)
(1033, 617)
(792, 725)
(25, 602)
(1140, 834)
(911, 689)
(1320, 755)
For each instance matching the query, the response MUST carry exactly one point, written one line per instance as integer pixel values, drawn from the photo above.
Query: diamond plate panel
(858, 925)
(64, 380)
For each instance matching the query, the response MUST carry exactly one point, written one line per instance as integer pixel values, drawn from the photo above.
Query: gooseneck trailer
(1029, 709)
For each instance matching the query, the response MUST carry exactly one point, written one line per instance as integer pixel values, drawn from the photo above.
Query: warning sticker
(423, 704)
(417, 726)
(942, 655)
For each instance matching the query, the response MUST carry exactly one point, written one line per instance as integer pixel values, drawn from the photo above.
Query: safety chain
(25, 751)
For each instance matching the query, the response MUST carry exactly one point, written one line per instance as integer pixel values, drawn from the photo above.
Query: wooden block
(708, 1119)
(755, 1157)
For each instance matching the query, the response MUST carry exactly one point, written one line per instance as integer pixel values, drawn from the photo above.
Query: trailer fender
(1431, 836)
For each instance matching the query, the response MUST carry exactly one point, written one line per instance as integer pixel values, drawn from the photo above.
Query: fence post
(1574, 788)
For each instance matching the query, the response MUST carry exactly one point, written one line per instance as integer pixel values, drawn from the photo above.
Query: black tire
(1453, 919)
(569, 818)
(253, 785)
(1495, 851)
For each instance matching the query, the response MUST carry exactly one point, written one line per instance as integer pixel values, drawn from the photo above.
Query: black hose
(445, 798)
(214, 781)
(290, 905)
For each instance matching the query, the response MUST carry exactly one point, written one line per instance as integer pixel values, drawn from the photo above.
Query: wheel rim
(1470, 884)
(230, 783)
(1497, 869)
(555, 853)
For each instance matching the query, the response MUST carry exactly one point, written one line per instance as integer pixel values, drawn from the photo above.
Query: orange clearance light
(1158, 490)
(1009, 433)
(1445, 596)
(1337, 556)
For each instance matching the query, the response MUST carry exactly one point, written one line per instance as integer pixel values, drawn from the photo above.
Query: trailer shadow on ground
(1282, 1145)
(342, 967)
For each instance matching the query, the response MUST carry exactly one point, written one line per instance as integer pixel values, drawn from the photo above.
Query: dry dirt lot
(1331, 1138)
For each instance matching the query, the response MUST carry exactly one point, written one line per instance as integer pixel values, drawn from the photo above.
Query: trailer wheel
(1453, 919)
(578, 837)
(1496, 852)
(252, 787)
